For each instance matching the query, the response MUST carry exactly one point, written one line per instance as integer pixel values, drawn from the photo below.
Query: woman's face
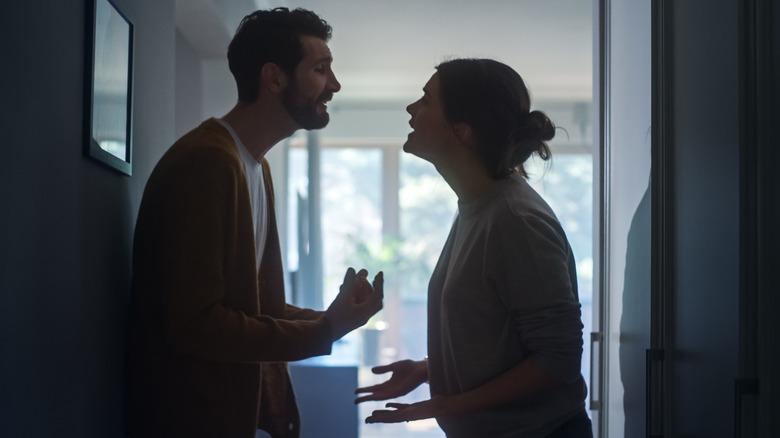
(432, 135)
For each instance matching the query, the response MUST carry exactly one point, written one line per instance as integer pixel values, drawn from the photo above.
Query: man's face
(312, 86)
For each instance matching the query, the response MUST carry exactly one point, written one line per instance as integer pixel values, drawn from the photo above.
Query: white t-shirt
(253, 171)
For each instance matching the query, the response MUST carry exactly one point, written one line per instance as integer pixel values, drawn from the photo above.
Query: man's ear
(273, 78)
(463, 132)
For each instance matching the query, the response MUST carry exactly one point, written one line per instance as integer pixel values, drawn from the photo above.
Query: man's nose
(335, 85)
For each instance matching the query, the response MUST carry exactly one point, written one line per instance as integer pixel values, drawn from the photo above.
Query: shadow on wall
(635, 319)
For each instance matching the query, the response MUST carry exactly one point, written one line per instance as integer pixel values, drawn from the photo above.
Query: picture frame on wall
(108, 85)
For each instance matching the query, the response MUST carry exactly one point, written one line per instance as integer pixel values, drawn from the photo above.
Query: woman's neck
(470, 181)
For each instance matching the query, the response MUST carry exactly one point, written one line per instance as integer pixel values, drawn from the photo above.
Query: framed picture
(108, 86)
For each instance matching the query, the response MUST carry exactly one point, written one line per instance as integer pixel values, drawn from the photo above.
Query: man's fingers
(379, 292)
(349, 275)
(362, 273)
(349, 280)
(379, 283)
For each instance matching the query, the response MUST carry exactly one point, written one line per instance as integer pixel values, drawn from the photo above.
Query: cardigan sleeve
(295, 313)
(185, 231)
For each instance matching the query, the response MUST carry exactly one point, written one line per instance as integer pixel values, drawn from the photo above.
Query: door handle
(654, 421)
(594, 401)
(742, 387)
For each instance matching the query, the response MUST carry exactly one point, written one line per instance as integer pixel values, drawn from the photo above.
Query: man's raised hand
(356, 302)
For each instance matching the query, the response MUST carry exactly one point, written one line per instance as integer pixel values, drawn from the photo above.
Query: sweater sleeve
(184, 255)
(538, 286)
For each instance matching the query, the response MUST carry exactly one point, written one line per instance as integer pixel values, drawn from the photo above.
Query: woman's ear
(463, 132)
(273, 78)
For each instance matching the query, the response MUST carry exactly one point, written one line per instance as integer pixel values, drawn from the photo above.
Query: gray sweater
(504, 291)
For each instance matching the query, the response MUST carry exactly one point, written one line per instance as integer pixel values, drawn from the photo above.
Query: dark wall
(711, 123)
(66, 224)
(705, 172)
(189, 83)
(769, 301)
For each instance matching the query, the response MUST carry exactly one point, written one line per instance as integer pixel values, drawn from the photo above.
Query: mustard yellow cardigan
(209, 338)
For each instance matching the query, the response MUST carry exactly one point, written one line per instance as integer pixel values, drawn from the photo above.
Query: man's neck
(259, 127)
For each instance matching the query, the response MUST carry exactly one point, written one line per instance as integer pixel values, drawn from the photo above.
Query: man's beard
(305, 112)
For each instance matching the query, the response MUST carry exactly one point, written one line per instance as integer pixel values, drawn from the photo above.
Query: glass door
(624, 100)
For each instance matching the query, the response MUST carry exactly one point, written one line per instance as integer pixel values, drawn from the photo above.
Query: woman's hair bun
(539, 126)
(531, 137)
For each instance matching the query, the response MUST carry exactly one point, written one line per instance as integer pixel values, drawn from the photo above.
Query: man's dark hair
(270, 36)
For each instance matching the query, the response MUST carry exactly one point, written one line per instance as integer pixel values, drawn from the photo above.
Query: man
(210, 332)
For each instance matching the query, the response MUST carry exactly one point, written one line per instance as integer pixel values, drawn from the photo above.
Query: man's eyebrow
(328, 58)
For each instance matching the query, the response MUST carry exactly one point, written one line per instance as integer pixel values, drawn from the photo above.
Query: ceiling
(387, 49)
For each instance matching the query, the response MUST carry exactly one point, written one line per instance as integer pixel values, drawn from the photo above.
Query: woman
(504, 327)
